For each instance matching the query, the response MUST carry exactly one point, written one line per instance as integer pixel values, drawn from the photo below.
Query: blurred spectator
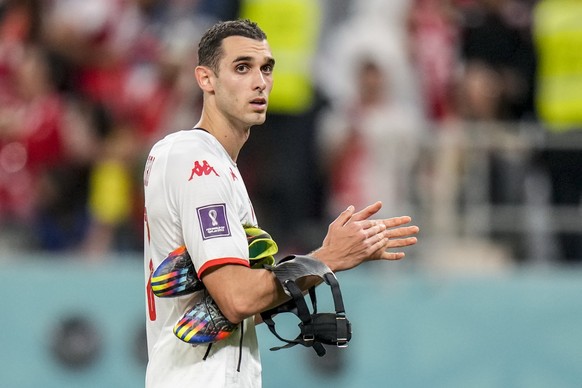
(434, 35)
(334, 13)
(98, 43)
(558, 38)
(496, 86)
(370, 145)
(112, 192)
(35, 142)
(85, 87)
(19, 26)
(130, 62)
(370, 136)
(166, 96)
(377, 27)
(104, 43)
(36, 145)
(499, 60)
(61, 219)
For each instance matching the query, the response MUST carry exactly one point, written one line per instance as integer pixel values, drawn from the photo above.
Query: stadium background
(484, 112)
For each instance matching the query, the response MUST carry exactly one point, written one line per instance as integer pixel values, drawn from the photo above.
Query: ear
(204, 76)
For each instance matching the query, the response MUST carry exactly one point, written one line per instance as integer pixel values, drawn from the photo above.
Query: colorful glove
(262, 247)
(203, 323)
(176, 276)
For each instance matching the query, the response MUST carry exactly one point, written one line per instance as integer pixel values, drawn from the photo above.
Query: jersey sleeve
(208, 209)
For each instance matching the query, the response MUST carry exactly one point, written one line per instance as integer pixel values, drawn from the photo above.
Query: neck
(231, 137)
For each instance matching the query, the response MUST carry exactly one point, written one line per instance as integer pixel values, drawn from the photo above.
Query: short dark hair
(210, 46)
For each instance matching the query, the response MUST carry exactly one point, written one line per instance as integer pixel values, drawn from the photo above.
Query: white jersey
(195, 196)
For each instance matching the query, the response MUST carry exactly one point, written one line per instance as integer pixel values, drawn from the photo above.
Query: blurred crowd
(361, 88)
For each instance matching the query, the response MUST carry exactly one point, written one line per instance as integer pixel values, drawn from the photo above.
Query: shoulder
(196, 154)
(185, 147)
(182, 142)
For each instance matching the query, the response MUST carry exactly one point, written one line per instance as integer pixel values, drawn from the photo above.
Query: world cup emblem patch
(213, 221)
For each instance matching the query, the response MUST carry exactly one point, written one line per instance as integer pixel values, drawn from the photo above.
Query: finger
(344, 217)
(383, 254)
(367, 212)
(375, 231)
(366, 226)
(393, 255)
(396, 221)
(378, 248)
(402, 231)
(401, 242)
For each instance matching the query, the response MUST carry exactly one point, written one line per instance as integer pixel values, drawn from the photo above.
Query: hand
(353, 238)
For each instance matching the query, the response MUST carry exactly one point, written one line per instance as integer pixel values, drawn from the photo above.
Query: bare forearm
(241, 292)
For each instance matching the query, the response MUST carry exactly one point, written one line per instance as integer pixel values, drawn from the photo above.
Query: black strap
(240, 345)
(296, 305)
(335, 292)
(207, 352)
(315, 328)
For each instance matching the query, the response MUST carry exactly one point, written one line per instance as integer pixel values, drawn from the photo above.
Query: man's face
(244, 80)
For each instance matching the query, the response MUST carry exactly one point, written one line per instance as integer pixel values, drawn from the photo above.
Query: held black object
(316, 329)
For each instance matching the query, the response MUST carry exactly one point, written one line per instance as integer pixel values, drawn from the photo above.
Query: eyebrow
(269, 60)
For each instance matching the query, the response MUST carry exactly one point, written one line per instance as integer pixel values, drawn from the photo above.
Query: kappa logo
(202, 169)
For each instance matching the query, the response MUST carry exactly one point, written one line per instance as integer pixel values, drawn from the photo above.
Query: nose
(260, 81)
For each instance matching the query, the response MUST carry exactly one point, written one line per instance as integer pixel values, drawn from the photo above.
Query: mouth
(259, 103)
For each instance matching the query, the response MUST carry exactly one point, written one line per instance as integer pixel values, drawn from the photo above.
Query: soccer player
(195, 197)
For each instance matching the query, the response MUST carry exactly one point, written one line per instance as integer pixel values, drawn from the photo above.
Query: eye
(267, 69)
(241, 68)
